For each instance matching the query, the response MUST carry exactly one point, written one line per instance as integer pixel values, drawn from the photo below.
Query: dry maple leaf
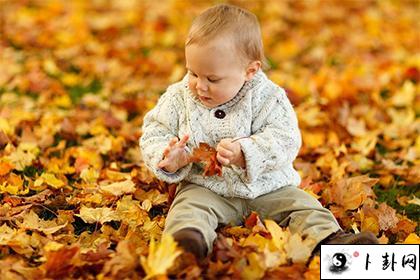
(119, 188)
(98, 214)
(123, 262)
(161, 257)
(207, 155)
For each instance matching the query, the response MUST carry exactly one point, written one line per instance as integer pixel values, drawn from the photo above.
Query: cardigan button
(219, 114)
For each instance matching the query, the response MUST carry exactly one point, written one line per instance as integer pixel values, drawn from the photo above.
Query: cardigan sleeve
(160, 125)
(275, 139)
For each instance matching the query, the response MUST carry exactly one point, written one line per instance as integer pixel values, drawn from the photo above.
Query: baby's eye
(213, 80)
(194, 75)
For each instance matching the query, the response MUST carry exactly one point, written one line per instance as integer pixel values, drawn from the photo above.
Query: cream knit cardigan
(260, 110)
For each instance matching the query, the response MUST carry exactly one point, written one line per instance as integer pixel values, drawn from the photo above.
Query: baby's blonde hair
(233, 21)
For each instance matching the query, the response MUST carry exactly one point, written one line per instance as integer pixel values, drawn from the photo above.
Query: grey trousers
(200, 208)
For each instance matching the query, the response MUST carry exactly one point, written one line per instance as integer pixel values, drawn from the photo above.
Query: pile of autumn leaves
(78, 76)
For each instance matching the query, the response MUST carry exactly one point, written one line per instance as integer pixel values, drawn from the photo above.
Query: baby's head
(223, 50)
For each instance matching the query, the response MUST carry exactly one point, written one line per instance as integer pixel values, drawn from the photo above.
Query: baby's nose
(201, 86)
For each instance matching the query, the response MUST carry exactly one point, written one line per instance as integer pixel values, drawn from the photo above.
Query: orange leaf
(5, 168)
(60, 263)
(207, 155)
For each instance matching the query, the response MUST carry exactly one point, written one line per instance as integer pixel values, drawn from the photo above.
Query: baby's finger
(162, 164)
(222, 159)
(173, 142)
(224, 152)
(184, 140)
(166, 152)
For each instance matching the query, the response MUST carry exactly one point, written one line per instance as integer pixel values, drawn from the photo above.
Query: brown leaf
(111, 122)
(124, 262)
(293, 272)
(352, 192)
(61, 263)
(101, 254)
(4, 139)
(386, 216)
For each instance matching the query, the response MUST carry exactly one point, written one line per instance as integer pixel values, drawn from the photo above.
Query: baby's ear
(252, 69)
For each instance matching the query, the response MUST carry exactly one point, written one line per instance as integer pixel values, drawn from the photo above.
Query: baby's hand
(230, 153)
(175, 156)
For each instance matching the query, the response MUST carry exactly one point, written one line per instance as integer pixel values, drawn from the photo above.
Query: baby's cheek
(191, 85)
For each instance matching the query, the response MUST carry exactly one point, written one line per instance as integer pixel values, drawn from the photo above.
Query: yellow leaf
(146, 205)
(53, 246)
(279, 237)
(5, 126)
(50, 67)
(401, 119)
(89, 175)
(23, 155)
(255, 268)
(311, 116)
(6, 235)
(70, 79)
(356, 127)
(119, 188)
(154, 196)
(130, 212)
(101, 215)
(63, 101)
(313, 273)
(94, 198)
(50, 180)
(161, 256)
(299, 250)
(332, 90)
(370, 223)
(13, 189)
(405, 96)
(115, 175)
(412, 238)
(256, 240)
(33, 222)
(362, 162)
(365, 143)
(313, 139)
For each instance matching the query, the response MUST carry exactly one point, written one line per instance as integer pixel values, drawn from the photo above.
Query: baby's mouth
(203, 98)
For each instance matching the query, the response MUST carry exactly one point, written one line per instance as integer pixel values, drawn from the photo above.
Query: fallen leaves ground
(77, 77)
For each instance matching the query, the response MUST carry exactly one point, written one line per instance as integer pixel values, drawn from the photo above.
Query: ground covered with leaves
(77, 77)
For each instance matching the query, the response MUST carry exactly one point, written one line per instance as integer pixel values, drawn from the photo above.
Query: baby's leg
(295, 208)
(197, 209)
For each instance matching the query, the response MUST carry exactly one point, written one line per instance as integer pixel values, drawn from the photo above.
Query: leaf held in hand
(207, 155)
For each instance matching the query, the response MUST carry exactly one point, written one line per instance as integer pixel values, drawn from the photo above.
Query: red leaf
(413, 74)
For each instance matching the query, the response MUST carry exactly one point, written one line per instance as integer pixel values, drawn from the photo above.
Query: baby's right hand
(175, 156)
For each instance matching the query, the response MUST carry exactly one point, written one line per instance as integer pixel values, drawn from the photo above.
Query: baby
(226, 101)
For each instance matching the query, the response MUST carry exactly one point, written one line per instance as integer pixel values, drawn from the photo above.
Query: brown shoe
(191, 240)
(341, 237)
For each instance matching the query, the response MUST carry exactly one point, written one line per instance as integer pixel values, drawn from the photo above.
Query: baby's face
(216, 73)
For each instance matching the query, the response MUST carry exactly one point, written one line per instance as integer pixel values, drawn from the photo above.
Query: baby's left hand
(230, 153)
